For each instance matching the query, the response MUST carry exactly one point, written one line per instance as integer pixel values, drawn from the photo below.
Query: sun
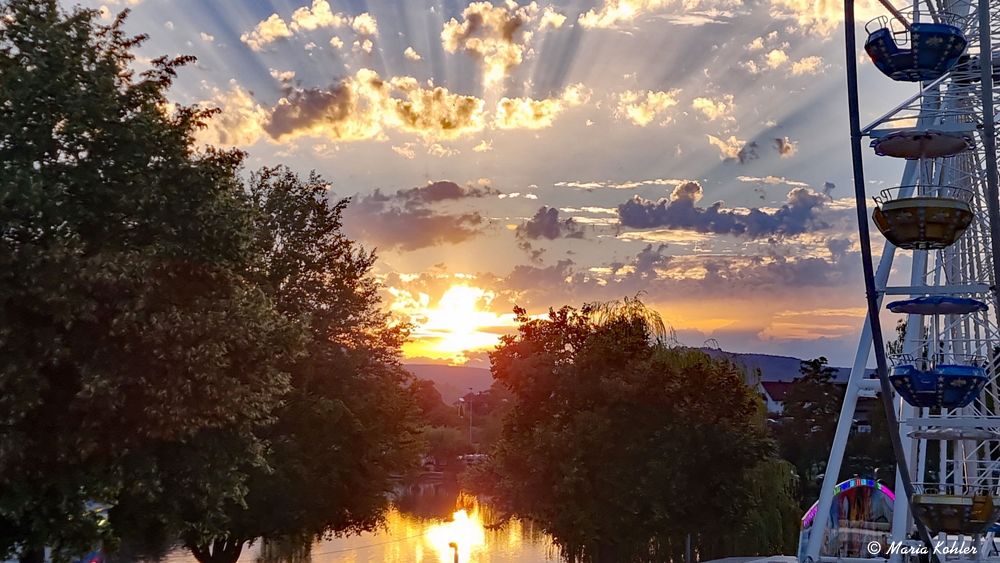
(456, 325)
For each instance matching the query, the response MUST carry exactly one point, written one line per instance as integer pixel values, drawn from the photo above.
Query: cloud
(494, 35)
(526, 113)
(405, 151)
(336, 42)
(319, 15)
(771, 180)
(735, 149)
(822, 18)
(785, 147)
(796, 217)
(616, 11)
(207, 37)
(365, 106)
(307, 18)
(405, 220)
(621, 185)
(551, 19)
(358, 107)
(483, 146)
(239, 124)
(642, 107)
(546, 224)
(775, 58)
(713, 109)
(808, 65)
(365, 46)
(411, 54)
(365, 24)
(266, 32)
(534, 254)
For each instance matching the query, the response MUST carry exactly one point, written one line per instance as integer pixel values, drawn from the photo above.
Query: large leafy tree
(132, 322)
(620, 445)
(345, 425)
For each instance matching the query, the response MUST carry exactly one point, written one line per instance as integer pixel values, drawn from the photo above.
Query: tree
(345, 426)
(811, 411)
(618, 444)
(131, 323)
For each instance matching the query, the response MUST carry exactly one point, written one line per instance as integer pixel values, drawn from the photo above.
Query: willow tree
(620, 444)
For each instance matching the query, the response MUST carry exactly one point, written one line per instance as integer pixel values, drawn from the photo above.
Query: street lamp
(471, 395)
(454, 546)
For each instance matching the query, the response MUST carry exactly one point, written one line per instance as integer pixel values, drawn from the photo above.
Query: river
(421, 533)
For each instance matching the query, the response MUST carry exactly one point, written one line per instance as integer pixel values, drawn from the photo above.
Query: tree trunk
(218, 551)
(32, 556)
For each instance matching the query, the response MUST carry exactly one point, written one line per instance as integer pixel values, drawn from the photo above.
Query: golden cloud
(642, 107)
(266, 32)
(822, 17)
(712, 109)
(526, 113)
(495, 35)
(365, 24)
(551, 18)
(808, 65)
(318, 16)
(731, 148)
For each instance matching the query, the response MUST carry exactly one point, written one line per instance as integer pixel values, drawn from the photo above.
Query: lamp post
(454, 546)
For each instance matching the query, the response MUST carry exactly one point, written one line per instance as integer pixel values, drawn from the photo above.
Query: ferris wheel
(942, 388)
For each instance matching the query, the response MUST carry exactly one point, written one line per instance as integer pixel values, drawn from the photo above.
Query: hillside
(773, 368)
(454, 381)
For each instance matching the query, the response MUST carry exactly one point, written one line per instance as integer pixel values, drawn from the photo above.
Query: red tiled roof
(777, 389)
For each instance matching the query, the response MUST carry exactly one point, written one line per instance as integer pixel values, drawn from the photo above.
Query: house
(774, 393)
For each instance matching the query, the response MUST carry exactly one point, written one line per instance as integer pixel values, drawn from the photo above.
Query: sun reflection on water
(409, 539)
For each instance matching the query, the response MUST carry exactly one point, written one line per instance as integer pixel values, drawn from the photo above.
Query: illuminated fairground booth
(861, 513)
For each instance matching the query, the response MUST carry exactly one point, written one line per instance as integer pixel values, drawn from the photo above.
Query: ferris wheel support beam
(855, 384)
(871, 292)
(989, 137)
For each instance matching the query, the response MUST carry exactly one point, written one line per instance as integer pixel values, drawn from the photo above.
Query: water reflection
(427, 519)
(413, 537)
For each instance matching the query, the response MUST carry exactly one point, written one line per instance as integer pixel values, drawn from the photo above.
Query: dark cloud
(828, 188)
(305, 108)
(535, 254)
(784, 146)
(797, 216)
(747, 153)
(838, 248)
(404, 220)
(546, 224)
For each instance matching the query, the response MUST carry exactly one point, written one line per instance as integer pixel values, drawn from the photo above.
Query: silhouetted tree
(345, 426)
(130, 320)
(811, 410)
(620, 445)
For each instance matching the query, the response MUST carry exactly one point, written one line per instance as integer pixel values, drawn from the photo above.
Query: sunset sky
(546, 154)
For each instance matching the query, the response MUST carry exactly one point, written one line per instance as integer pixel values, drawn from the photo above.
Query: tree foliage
(344, 427)
(129, 318)
(618, 444)
(205, 355)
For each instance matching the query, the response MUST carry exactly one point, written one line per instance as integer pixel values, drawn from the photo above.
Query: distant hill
(773, 368)
(453, 381)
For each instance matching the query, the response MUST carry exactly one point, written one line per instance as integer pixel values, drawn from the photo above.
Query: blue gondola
(938, 305)
(934, 49)
(947, 386)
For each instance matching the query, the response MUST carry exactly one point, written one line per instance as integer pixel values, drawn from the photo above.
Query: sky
(693, 152)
